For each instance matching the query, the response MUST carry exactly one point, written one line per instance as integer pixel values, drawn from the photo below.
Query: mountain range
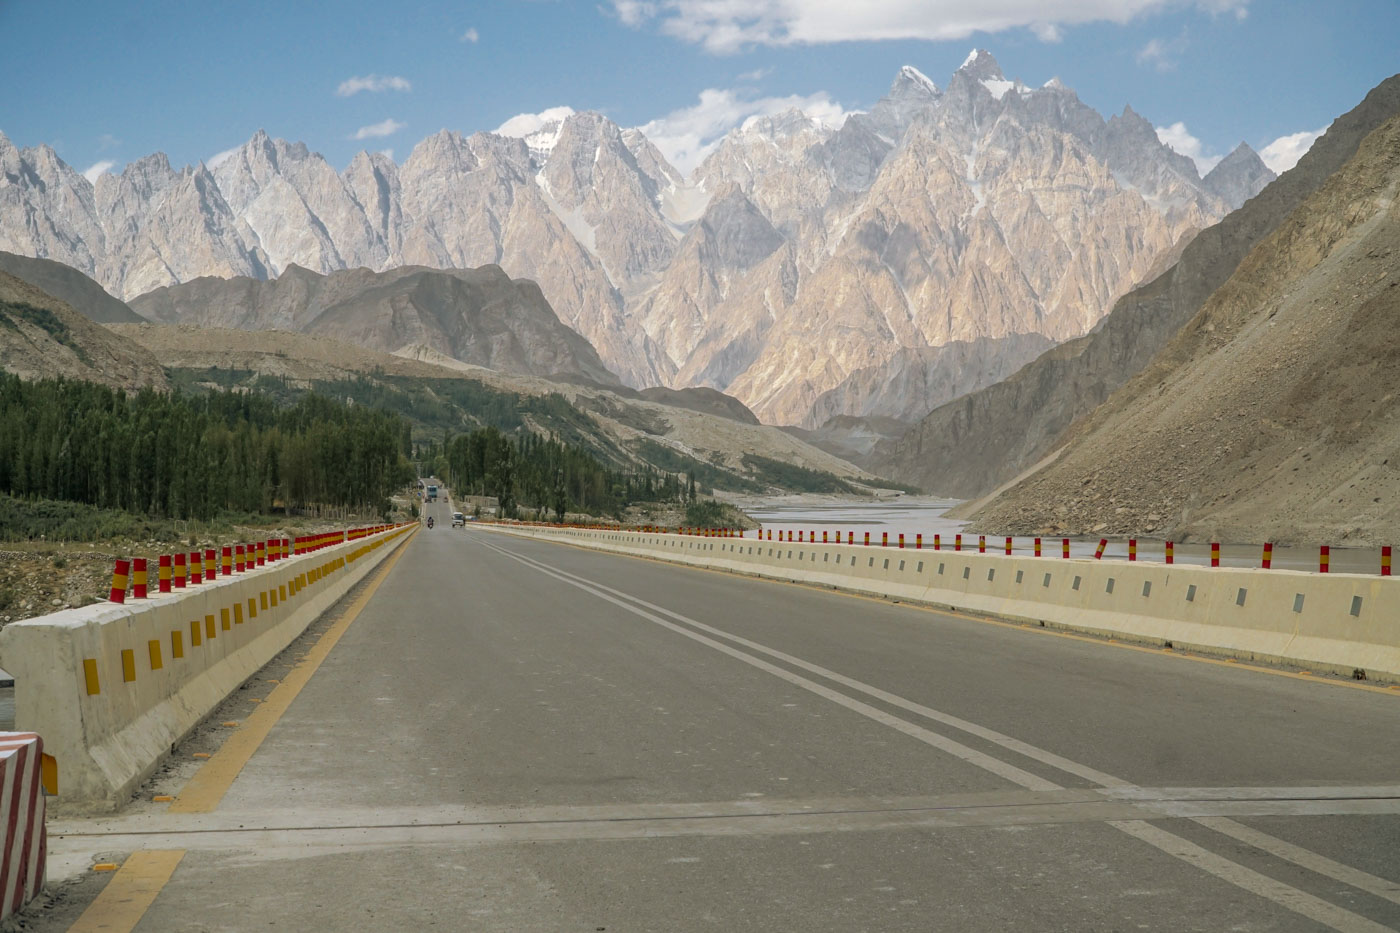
(1269, 415)
(924, 249)
(971, 446)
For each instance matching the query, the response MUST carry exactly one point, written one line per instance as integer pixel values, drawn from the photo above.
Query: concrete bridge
(495, 732)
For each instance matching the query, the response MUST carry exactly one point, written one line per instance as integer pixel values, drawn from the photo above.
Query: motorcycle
(430, 521)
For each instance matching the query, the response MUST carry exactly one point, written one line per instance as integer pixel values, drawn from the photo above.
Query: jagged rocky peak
(1239, 176)
(650, 160)
(785, 125)
(142, 176)
(981, 66)
(913, 83)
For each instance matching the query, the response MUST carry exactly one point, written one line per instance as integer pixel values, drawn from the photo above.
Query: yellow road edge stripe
(1108, 641)
(130, 893)
(204, 791)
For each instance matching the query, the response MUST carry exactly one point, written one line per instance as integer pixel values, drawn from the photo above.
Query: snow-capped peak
(915, 76)
(982, 66)
(1054, 84)
(539, 130)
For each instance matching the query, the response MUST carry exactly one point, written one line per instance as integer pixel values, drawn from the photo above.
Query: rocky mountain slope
(972, 445)
(802, 268)
(687, 427)
(478, 316)
(42, 337)
(1271, 415)
(71, 287)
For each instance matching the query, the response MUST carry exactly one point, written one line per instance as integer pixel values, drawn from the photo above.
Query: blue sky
(105, 84)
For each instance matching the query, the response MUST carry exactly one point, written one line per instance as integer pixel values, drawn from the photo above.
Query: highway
(504, 734)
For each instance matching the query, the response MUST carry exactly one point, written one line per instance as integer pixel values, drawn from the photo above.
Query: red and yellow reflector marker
(119, 575)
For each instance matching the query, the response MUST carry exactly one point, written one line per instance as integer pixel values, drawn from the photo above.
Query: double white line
(1292, 898)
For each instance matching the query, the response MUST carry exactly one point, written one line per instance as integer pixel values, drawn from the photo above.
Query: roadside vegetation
(195, 456)
(527, 473)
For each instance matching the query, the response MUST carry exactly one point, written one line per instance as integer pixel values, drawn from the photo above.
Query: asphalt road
(518, 735)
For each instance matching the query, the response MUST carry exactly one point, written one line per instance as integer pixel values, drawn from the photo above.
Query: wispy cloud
(376, 130)
(372, 83)
(1161, 54)
(97, 169)
(758, 74)
(727, 26)
(219, 158)
(107, 141)
(1283, 153)
(1181, 140)
(471, 35)
(687, 135)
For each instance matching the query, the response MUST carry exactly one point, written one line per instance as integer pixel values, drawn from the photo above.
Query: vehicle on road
(430, 521)
(432, 493)
(459, 519)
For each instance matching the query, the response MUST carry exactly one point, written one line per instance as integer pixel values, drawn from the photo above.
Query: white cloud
(1181, 140)
(107, 141)
(1162, 54)
(633, 12)
(471, 35)
(757, 74)
(97, 169)
(1154, 53)
(387, 153)
(687, 135)
(219, 158)
(725, 26)
(373, 84)
(375, 130)
(1283, 153)
(527, 124)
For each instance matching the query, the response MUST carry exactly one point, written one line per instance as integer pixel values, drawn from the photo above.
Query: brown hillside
(1273, 414)
(681, 422)
(42, 337)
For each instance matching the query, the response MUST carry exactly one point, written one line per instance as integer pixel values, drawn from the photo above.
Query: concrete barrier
(112, 687)
(22, 805)
(1345, 624)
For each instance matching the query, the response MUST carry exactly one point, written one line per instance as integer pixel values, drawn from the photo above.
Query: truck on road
(432, 493)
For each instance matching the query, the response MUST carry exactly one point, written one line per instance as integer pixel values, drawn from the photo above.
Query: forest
(194, 456)
(546, 473)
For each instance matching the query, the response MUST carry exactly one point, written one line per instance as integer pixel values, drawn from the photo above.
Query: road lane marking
(1320, 864)
(1181, 654)
(130, 893)
(1030, 751)
(207, 787)
(996, 766)
(1298, 901)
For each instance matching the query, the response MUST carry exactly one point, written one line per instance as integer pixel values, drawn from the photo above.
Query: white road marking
(1301, 902)
(1321, 864)
(1286, 896)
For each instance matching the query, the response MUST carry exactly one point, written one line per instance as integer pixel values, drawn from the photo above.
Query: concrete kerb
(1327, 623)
(160, 665)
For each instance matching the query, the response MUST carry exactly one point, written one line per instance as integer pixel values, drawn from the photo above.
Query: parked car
(459, 519)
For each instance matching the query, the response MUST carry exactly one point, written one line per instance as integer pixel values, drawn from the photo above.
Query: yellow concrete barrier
(1334, 623)
(94, 684)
